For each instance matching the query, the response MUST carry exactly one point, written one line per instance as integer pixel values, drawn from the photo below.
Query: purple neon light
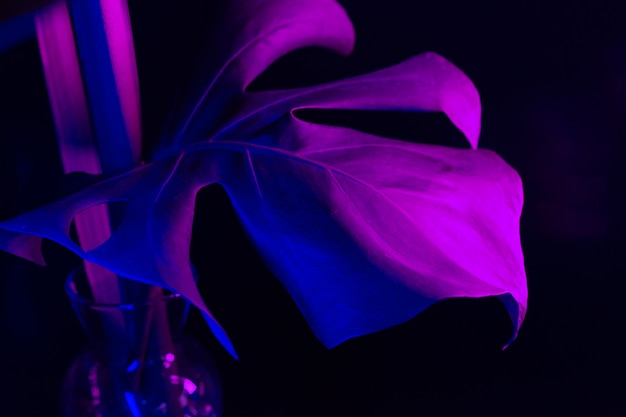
(107, 56)
(122, 52)
(74, 134)
(67, 97)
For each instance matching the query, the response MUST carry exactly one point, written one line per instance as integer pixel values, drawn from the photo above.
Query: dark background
(552, 79)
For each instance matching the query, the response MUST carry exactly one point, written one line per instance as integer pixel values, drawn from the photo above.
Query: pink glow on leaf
(372, 231)
(254, 34)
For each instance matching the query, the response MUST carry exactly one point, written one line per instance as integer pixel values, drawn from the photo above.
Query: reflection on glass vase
(138, 363)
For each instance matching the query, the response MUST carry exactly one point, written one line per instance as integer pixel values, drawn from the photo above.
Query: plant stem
(107, 56)
(106, 52)
(74, 134)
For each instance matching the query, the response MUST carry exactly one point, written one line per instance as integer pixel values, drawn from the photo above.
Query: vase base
(182, 383)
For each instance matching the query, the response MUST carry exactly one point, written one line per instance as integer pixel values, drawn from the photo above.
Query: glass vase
(138, 363)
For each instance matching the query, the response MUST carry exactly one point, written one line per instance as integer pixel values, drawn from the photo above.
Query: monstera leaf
(364, 232)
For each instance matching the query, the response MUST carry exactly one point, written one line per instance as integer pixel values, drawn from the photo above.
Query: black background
(552, 79)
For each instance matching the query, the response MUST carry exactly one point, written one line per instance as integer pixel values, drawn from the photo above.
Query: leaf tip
(459, 97)
(516, 312)
(221, 335)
